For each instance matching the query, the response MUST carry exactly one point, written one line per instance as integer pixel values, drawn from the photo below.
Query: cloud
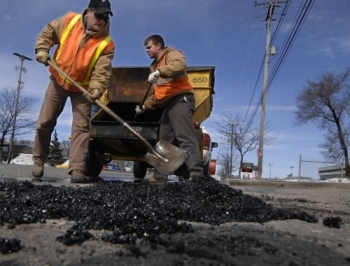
(333, 47)
(343, 43)
(326, 50)
(278, 108)
(7, 18)
(293, 137)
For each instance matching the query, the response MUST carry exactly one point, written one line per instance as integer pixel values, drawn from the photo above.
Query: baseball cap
(101, 6)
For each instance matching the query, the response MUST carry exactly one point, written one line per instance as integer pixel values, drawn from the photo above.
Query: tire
(206, 170)
(140, 169)
(183, 172)
(94, 163)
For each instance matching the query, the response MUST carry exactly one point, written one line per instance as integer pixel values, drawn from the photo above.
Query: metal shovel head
(173, 157)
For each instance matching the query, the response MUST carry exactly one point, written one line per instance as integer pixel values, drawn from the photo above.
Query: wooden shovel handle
(111, 113)
(144, 99)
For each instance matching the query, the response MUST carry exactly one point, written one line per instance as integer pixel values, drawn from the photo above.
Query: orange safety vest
(169, 86)
(77, 62)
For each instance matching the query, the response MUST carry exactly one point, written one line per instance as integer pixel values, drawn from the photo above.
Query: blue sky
(227, 34)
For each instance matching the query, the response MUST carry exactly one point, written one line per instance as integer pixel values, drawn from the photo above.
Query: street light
(291, 171)
(270, 170)
(22, 58)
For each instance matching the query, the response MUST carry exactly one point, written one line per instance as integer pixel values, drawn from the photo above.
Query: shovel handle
(69, 78)
(144, 99)
(110, 112)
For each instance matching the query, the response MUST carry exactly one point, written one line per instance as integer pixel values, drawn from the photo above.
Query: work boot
(78, 176)
(157, 180)
(37, 172)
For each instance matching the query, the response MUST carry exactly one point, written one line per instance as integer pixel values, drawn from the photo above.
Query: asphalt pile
(132, 211)
(333, 222)
(9, 245)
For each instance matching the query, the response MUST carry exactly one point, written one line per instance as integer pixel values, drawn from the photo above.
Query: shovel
(164, 156)
(144, 99)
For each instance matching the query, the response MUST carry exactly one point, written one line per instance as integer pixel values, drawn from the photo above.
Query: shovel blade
(172, 157)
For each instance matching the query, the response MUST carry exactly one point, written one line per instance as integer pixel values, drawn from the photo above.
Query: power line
(262, 64)
(269, 15)
(295, 29)
(291, 38)
(267, 81)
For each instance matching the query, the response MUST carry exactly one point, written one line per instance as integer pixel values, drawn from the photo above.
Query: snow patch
(23, 159)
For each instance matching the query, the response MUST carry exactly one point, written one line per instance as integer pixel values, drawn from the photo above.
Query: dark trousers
(177, 128)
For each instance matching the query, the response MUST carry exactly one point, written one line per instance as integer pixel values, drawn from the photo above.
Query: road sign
(247, 167)
(259, 152)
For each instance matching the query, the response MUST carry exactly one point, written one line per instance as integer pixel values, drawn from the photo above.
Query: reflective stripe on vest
(162, 81)
(67, 31)
(97, 54)
(166, 87)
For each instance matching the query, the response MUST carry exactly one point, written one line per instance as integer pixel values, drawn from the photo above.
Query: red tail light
(206, 141)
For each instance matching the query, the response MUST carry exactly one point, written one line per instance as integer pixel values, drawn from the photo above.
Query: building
(17, 149)
(336, 171)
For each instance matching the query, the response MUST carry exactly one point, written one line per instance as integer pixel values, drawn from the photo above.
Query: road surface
(276, 242)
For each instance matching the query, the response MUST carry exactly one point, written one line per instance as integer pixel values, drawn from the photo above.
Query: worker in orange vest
(84, 52)
(172, 92)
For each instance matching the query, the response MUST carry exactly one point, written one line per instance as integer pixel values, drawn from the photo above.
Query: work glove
(153, 77)
(43, 57)
(94, 93)
(140, 110)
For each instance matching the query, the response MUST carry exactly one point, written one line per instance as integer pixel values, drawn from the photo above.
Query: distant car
(112, 166)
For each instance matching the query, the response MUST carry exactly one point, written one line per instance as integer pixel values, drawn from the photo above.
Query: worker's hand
(153, 77)
(140, 110)
(94, 93)
(43, 57)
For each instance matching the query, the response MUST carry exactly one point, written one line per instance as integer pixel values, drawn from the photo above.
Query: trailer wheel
(140, 169)
(94, 163)
(206, 169)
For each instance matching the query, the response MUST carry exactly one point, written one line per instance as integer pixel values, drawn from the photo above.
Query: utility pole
(271, 6)
(270, 164)
(231, 149)
(22, 58)
(299, 173)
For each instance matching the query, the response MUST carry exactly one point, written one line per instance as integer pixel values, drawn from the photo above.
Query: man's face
(95, 21)
(152, 49)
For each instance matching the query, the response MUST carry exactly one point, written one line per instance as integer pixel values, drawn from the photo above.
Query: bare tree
(227, 164)
(65, 146)
(332, 150)
(25, 122)
(244, 138)
(325, 102)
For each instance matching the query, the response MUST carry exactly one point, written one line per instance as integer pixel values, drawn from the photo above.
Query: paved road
(13, 172)
(289, 242)
(59, 176)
